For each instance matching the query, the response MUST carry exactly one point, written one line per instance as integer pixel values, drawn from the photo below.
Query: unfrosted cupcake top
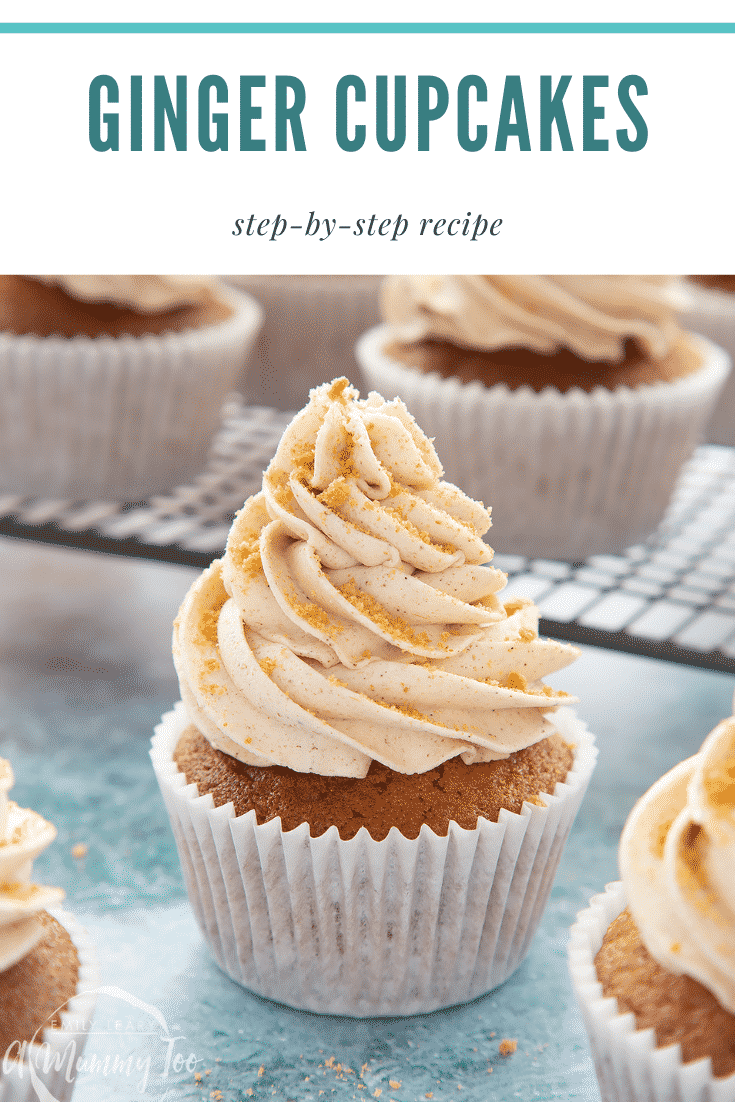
(352, 618)
(591, 316)
(146, 294)
(677, 856)
(23, 835)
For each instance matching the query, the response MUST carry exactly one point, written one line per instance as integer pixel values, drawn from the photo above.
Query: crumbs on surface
(527, 634)
(267, 665)
(507, 1046)
(79, 850)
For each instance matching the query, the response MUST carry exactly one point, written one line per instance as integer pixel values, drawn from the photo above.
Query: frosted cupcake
(653, 960)
(569, 402)
(113, 385)
(369, 783)
(47, 966)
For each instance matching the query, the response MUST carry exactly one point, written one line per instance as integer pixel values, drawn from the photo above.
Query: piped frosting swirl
(23, 835)
(677, 856)
(146, 294)
(352, 617)
(592, 316)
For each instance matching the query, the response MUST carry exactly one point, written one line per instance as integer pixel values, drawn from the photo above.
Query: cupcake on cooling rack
(711, 312)
(47, 966)
(653, 959)
(113, 385)
(569, 402)
(369, 782)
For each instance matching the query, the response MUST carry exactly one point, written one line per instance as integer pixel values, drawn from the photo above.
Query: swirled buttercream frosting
(146, 294)
(591, 316)
(23, 835)
(677, 856)
(353, 617)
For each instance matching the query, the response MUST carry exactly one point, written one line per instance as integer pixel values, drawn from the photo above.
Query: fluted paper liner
(117, 418)
(360, 927)
(629, 1066)
(51, 1066)
(567, 475)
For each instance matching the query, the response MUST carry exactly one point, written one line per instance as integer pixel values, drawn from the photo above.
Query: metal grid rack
(672, 598)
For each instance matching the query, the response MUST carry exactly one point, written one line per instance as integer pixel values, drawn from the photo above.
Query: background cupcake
(47, 966)
(569, 402)
(349, 654)
(653, 960)
(711, 312)
(113, 385)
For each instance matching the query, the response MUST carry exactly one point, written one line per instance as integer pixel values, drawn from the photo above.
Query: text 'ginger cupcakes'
(369, 783)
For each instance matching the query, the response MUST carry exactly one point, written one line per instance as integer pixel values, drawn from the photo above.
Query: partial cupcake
(569, 402)
(369, 782)
(47, 966)
(653, 960)
(711, 312)
(113, 385)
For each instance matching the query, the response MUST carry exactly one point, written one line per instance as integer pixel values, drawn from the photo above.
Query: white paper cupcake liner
(712, 313)
(629, 1066)
(567, 475)
(52, 1065)
(360, 927)
(309, 332)
(117, 418)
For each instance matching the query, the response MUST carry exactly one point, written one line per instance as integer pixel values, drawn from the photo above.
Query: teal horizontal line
(367, 28)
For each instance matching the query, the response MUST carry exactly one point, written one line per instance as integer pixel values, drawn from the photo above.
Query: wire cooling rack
(673, 597)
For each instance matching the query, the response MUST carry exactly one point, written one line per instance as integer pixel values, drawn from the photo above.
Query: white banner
(356, 150)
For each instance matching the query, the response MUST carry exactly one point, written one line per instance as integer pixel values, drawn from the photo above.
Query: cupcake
(47, 966)
(113, 385)
(311, 323)
(369, 782)
(711, 312)
(569, 402)
(653, 959)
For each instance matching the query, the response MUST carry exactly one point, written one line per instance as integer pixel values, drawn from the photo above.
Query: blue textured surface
(85, 674)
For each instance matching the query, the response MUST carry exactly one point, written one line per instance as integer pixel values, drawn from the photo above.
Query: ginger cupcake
(113, 385)
(569, 402)
(369, 783)
(653, 959)
(48, 969)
